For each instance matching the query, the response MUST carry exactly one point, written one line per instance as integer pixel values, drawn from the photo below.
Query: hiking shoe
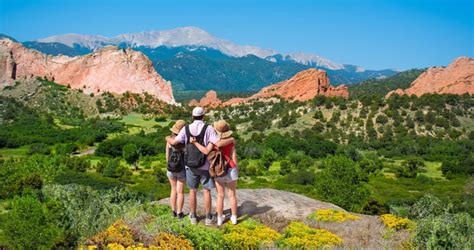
(180, 216)
(193, 219)
(233, 219)
(208, 220)
(220, 220)
(174, 214)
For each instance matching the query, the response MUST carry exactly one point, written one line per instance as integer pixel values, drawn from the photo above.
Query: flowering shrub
(119, 236)
(327, 215)
(118, 233)
(298, 235)
(170, 241)
(249, 234)
(395, 222)
(200, 236)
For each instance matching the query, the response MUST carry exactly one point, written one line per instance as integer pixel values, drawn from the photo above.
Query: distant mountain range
(193, 59)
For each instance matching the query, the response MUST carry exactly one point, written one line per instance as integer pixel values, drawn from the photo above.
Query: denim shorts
(194, 177)
(181, 175)
(232, 175)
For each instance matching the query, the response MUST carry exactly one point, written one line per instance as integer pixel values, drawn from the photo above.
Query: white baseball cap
(198, 111)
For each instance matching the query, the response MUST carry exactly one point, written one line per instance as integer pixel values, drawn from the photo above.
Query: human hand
(192, 140)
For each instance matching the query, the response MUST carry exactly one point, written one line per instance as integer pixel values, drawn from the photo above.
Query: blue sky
(374, 34)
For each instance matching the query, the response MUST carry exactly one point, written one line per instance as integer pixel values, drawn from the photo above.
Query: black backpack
(193, 158)
(175, 159)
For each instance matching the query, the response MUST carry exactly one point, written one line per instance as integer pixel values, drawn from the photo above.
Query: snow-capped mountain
(92, 42)
(186, 36)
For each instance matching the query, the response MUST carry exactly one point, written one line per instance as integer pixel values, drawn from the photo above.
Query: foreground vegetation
(74, 178)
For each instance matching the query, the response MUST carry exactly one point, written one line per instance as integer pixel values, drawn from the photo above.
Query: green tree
(285, 167)
(410, 167)
(341, 183)
(130, 154)
(381, 119)
(268, 157)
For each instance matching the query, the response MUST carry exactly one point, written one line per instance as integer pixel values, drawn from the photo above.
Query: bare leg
(220, 198)
(173, 194)
(207, 200)
(232, 194)
(180, 196)
(192, 201)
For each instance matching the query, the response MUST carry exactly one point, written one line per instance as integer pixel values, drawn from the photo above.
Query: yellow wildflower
(393, 221)
(333, 215)
(298, 235)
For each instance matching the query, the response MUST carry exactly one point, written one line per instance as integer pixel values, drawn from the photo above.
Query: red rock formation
(457, 78)
(109, 69)
(209, 100)
(303, 86)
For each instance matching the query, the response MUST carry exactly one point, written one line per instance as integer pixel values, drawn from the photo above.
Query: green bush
(446, 231)
(17, 175)
(285, 167)
(301, 177)
(428, 205)
(39, 148)
(85, 211)
(201, 237)
(112, 168)
(29, 225)
(341, 183)
(92, 180)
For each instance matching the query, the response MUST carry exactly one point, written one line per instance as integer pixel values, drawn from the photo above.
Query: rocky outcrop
(303, 86)
(209, 100)
(110, 69)
(277, 209)
(457, 78)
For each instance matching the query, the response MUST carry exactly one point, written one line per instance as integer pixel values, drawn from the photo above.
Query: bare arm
(172, 141)
(167, 152)
(234, 156)
(224, 142)
(204, 150)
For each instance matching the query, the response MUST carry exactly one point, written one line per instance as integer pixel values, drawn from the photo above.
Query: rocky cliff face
(302, 87)
(209, 100)
(457, 78)
(109, 69)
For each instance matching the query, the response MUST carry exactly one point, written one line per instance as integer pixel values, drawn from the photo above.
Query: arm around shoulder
(224, 142)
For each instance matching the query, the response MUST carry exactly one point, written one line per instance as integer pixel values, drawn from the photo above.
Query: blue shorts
(232, 175)
(181, 175)
(196, 176)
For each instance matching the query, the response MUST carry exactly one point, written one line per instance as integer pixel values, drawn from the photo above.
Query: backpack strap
(200, 137)
(188, 133)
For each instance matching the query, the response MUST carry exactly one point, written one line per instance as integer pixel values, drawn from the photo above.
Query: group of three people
(205, 139)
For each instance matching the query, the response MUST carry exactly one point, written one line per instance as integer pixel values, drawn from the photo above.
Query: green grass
(403, 190)
(13, 152)
(135, 119)
(431, 170)
(136, 123)
(434, 170)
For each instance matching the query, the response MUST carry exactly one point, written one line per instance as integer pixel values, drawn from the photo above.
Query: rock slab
(277, 209)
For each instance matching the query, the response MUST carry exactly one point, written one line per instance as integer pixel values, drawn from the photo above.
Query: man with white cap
(196, 175)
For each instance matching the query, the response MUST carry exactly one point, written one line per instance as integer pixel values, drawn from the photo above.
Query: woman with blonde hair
(226, 145)
(175, 171)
